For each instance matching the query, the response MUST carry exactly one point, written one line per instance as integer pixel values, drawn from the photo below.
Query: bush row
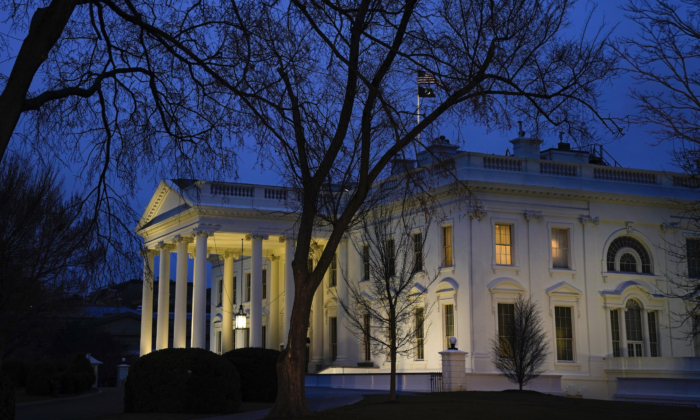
(44, 378)
(258, 370)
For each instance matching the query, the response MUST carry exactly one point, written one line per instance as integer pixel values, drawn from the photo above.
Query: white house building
(585, 240)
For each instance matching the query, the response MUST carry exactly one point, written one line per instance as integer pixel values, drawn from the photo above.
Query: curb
(52, 400)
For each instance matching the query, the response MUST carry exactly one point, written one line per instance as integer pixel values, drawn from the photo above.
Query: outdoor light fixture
(240, 318)
(453, 341)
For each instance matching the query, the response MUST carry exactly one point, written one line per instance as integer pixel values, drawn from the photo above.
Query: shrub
(40, 378)
(66, 383)
(83, 375)
(16, 370)
(258, 370)
(7, 398)
(182, 381)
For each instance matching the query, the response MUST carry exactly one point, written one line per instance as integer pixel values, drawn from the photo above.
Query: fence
(435, 381)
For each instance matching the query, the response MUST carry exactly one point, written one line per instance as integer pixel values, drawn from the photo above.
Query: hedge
(81, 374)
(41, 378)
(182, 381)
(7, 398)
(258, 370)
(16, 370)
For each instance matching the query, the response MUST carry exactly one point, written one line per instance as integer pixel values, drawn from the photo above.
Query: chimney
(525, 147)
(563, 145)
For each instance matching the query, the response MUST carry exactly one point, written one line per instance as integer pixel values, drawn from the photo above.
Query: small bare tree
(520, 346)
(388, 309)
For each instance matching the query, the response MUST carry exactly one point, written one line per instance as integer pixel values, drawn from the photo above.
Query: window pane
(449, 324)
(219, 293)
(233, 293)
(560, 248)
(447, 246)
(503, 245)
(696, 332)
(629, 242)
(334, 338)
(247, 287)
(633, 321)
(420, 337)
(418, 252)
(615, 322)
(628, 264)
(564, 332)
(506, 324)
(365, 262)
(334, 271)
(366, 341)
(264, 284)
(692, 248)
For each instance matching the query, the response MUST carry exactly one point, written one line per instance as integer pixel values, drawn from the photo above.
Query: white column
(317, 338)
(273, 324)
(645, 333)
(163, 298)
(180, 322)
(342, 295)
(147, 304)
(623, 333)
(227, 305)
(256, 291)
(288, 285)
(609, 329)
(199, 292)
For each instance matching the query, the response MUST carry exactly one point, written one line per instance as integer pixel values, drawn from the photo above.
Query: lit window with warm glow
(504, 245)
(560, 248)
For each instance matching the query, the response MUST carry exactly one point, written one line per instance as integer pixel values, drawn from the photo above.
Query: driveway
(108, 401)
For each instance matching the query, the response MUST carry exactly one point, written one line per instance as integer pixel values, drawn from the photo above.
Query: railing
(503, 164)
(275, 194)
(685, 181)
(228, 190)
(559, 169)
(435, 381)
(621, 175)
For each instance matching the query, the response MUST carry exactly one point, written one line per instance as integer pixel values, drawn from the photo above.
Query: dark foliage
(182, 381)
(81, 375)
(41, 378)
(258, 370)
(522, 350)
(16, 370)
(7, 398)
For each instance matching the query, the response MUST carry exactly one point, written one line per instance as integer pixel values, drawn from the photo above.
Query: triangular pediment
(165, 202)
(563, 289)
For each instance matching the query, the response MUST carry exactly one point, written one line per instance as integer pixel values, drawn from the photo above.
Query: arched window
(630, 336)
(622, 253)
(633, 324)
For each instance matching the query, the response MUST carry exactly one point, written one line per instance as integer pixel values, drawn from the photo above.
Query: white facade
(582, 207)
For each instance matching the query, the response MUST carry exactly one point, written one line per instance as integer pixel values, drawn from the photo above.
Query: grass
(22, 397)
(501, 405)
(246, 406)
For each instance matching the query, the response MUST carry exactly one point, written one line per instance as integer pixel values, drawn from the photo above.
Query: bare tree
(49, 251)
(663, 58)
(520, 347)
(387, 310)
(325, 91)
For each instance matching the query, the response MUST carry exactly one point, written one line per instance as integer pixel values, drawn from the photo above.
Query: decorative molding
(586, 219)
(199, 231)
(630, 227)
(162, 245)
(260, 236)
(145, 252)
(668, 226)
(533, 215)
(180, 238)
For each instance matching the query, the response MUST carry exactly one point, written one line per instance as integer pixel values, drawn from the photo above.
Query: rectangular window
(504, 245)
(447, 246)
(420, 335)
(560, 248)
(234, 293)
(391, 258)
(417, 252)
(692, 249)
(565, 333)
(615, 325)
(247, 337)
(653, 336)
(247, 287)
(334, 337)
(264, 284)
(449, 324)
(218, 342)
(264, 337)
(365, 262)
(366, 341)
(220, 292)
(506, 328)
(333, 276)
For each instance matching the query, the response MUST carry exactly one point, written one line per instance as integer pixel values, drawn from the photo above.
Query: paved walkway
(109, 401)
(318, 399)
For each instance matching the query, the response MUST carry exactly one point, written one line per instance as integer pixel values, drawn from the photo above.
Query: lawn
(501, 405)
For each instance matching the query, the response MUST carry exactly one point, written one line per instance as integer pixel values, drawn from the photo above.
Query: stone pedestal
(454, 376)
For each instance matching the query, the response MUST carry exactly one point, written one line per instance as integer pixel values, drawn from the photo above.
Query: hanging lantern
(240, 319)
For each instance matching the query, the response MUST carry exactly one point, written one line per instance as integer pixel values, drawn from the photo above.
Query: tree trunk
(291, 392)
(45, 29)
(392, 352)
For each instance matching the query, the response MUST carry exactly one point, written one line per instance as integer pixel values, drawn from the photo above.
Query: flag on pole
(425, 78)
(425, 92)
